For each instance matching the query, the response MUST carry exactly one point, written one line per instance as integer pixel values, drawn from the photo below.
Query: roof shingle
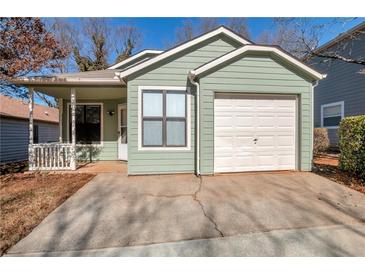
(17, 108)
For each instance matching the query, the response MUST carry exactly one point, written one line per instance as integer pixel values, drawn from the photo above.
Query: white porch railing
(51, 156)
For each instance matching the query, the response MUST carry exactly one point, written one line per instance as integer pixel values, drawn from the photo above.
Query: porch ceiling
(84, 92)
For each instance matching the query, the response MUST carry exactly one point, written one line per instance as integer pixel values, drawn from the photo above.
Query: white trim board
(101, 124)
(120, 107)
(168, 53)
(130, 59)
(188, 119)
(339, 103)
(256, 48)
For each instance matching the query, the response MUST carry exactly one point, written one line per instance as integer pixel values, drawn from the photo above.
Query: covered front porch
(92, 123)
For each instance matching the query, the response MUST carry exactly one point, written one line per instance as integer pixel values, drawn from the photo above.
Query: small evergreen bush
(352, 145)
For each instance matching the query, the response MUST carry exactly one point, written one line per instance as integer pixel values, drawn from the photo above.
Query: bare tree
(94, 43)
(207, 24)
(188, 30)
(96, 33)
(264, 38)
(185, 32)
(127, 38)
(239, 25)
(301, 37)
(67, 36)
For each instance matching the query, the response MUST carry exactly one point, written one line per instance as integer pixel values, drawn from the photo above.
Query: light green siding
(255, 74)
(172, 72)
(109, 149)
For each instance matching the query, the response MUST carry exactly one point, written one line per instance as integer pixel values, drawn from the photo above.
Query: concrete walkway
(337, 240)
(114, 211)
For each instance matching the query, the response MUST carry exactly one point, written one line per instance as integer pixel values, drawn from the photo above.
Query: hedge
(352, 144)
(320, 140)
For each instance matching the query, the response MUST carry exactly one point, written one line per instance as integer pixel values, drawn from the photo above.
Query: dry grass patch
(26, 199)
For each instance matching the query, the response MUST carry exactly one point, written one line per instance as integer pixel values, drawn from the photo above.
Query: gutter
(63, 81)
(196, 84)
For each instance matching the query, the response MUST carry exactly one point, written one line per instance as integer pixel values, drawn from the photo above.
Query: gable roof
(275, 50)
(145, 53)
(218, 31)
(11, 107)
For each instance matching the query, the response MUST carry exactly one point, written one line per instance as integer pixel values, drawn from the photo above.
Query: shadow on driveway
(114, 210)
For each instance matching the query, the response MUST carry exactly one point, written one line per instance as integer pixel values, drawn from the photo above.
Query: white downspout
(314, 84)
(196, 84)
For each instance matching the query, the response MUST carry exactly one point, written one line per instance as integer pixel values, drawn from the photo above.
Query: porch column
(60, 113)
(73, 128)
(31, 134)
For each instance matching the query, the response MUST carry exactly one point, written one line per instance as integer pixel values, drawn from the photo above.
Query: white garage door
(254, 133)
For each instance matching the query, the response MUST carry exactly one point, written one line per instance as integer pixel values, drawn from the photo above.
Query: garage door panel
(265, 141)
(265, 121)
(239, 121)
(268, 161)
(243, 121)
(285, 141)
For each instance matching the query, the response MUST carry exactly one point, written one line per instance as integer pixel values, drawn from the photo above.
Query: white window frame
(340, 103)
(101, 124)
(188, 119)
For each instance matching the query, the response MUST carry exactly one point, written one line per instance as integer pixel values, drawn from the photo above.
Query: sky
(157, 32)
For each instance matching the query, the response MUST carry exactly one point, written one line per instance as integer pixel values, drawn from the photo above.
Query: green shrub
(320, 140)
(352, 145)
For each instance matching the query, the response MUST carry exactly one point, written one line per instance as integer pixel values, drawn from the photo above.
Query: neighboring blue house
(14, 128)
(342, 92)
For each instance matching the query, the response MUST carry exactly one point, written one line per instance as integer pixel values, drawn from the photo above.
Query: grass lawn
(26, 199)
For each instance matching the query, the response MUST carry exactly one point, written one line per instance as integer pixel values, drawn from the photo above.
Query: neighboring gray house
(217, 103)
(342, 92)
(14, 128)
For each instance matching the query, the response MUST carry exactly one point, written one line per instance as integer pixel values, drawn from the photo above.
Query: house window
(331, 114)
(88, 124)
(35, 134)
(164, 118)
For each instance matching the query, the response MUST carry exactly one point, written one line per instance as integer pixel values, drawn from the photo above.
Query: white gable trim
(244, 49)
(126, 61)
(166, 54)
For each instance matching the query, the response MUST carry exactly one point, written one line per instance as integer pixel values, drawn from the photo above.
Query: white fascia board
(135, 57)
(182, 47)
(247, 48)
(64, 81)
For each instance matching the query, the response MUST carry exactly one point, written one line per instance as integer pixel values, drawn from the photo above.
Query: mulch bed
(27, 198)
(13, 167)
(339, 176)
(329, 159)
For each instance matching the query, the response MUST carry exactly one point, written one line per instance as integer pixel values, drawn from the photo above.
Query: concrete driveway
(116, 211)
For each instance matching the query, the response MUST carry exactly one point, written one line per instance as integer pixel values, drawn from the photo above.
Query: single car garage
(254, 132)
(255, 111)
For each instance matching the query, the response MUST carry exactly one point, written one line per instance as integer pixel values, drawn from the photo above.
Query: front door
(122, 132)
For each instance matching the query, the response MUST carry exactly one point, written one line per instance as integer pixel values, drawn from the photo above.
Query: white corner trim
(101, 124)
(126, 61)
(247, 48)
(340, 103)
(188, 119)
(168, 53)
